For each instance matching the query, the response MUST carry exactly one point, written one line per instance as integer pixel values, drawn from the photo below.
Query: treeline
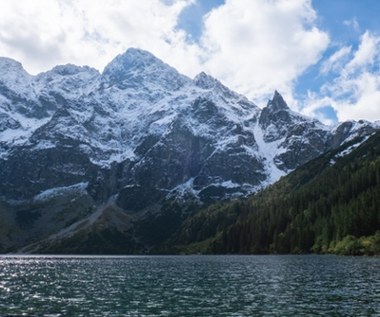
(331, 204)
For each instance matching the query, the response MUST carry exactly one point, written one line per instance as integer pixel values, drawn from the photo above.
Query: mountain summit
(138, 67)
(140, 145)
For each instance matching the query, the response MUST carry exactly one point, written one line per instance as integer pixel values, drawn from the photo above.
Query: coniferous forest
(330, 205)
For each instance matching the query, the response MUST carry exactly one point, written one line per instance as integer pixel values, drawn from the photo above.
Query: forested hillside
(331, 204)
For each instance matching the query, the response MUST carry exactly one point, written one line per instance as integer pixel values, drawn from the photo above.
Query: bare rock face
(140, 139)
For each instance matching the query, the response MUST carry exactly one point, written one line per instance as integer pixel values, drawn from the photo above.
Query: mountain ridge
(142, 136)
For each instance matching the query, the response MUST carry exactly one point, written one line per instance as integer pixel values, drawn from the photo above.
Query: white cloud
(336, 60)
(366, 54)
(354, 91)
(30, 34)
(44, 33)
(361, 99)
(313, 106)
(258, 46)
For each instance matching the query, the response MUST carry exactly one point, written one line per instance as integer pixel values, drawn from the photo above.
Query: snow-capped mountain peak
(133, 59)
(70, 70)
(137, 67)
(8, 65)
(67, 80)
(202, 80)
(14, 78)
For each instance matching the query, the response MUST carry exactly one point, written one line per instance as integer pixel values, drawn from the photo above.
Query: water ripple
(190, 286)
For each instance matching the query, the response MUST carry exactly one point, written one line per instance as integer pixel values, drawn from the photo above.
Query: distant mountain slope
(139, 139)
(327, 205)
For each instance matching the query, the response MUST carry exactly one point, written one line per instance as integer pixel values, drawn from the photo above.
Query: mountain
(129, 153)
(329, 205)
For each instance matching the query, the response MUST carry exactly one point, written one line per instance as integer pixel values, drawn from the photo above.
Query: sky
(323, 56)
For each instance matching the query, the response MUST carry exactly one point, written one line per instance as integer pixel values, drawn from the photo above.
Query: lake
(304, 285)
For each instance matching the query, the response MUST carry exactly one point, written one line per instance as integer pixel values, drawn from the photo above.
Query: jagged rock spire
(277, 102)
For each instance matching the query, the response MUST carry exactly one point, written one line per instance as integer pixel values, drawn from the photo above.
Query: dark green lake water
(190, 286)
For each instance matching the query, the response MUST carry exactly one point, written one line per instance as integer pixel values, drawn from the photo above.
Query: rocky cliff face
(74, 143)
